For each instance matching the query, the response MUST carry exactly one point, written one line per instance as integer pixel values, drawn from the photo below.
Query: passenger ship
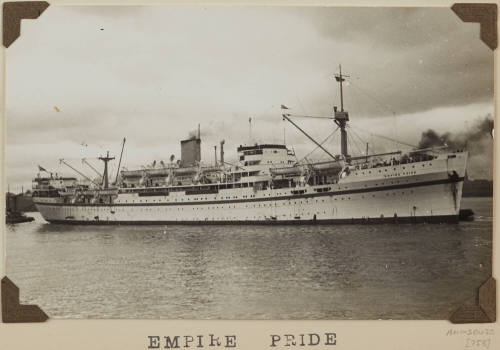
(266, 186)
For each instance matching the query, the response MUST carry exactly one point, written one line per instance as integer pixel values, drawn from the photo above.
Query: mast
(250, 130)
(342, 117)
(119, 162)
(105, 175)
(340, 79)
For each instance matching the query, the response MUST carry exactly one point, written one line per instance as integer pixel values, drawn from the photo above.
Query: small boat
(12, 214)
(466, 215)
(17, 218)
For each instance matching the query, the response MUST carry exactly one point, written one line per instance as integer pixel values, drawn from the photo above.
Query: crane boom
(309, 137)
(78, 172)
(310, 116)
(84, 161)
(375, 155)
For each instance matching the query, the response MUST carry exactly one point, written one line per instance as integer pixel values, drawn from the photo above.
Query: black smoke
(477, 140)
(431, 138)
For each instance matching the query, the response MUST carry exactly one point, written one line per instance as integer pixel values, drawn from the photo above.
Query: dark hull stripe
(265, 199)
(380, 220)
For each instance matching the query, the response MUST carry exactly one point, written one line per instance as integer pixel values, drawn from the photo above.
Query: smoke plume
(477, 140)
(193, 135)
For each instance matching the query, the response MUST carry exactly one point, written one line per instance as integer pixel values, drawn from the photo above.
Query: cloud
(412, 59)
(105, 11)
(153, 73)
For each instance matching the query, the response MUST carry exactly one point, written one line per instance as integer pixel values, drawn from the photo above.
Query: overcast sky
(93, 75)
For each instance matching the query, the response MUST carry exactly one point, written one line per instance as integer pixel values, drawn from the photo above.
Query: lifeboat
(333, 166)
(290, 171)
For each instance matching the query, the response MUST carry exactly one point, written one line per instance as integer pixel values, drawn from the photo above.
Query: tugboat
(13, 215)
(466, 215)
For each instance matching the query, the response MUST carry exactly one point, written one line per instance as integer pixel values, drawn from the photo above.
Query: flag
(41, 169)
(284, 107)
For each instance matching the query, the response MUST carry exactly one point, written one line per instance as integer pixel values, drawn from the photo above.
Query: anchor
(454, 178)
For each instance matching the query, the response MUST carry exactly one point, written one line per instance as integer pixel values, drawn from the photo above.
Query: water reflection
(248, 272)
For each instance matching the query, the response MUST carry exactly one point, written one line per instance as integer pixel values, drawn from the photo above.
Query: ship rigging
(266, 184)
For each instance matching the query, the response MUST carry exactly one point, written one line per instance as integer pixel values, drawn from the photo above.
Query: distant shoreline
(477, 196)
(477, 188)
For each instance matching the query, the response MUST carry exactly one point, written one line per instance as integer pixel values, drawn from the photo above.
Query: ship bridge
(53, 182)
(265, 156)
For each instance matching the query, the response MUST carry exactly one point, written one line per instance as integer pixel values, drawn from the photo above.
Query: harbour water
(411, 271)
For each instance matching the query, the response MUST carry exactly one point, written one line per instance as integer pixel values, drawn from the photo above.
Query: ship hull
(441, 219)
(433, 201)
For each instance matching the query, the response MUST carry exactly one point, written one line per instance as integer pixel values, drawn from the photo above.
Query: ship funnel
(222, 152)
(190, 152)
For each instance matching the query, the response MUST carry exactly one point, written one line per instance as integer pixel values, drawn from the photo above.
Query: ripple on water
(251, 272)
